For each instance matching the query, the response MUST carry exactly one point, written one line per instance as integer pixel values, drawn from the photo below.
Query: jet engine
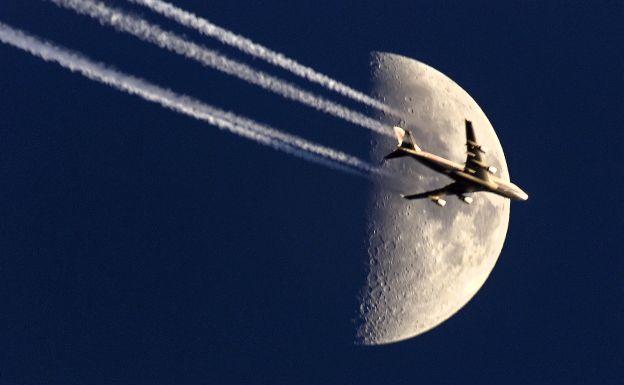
(466, 199)
(439, 201)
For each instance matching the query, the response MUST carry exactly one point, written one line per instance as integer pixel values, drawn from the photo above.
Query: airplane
(473, 176)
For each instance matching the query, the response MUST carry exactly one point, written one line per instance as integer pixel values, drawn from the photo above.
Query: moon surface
(425, 262)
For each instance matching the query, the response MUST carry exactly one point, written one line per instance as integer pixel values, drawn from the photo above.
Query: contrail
(247, 46)
(247, 128)
(149, 32)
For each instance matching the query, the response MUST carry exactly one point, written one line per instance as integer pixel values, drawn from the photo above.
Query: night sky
(139, 246)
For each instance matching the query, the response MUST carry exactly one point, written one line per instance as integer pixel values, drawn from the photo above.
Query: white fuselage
(470, 182)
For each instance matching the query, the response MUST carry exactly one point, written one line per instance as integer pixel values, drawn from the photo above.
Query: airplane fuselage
(469, 183)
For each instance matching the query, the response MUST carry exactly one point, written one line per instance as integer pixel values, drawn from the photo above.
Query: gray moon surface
(426, 262)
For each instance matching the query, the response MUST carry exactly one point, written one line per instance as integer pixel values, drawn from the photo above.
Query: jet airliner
(473, 176)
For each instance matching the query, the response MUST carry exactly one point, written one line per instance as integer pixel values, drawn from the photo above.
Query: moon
(426, 262)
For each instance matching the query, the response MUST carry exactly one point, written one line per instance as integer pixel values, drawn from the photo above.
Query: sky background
(139, 246)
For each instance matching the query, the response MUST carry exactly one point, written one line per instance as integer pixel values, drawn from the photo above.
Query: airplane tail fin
(405, 142)
(405, 139)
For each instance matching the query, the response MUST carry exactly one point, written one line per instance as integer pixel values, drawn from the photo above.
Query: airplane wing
(438, 193)
(475, 165)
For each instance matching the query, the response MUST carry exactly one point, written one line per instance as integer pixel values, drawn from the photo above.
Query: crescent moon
(426, 262)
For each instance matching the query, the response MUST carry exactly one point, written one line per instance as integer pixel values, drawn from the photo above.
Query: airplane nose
(522, 195)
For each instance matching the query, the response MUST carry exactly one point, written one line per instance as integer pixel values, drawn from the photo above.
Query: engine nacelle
(466, 199)
(439, 201)
(492, 170)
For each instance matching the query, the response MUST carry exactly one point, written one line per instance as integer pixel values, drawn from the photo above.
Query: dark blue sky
(142, 247)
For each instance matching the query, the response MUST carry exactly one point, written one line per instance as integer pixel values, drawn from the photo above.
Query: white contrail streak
(149, 32)
(185, 105)
(247, 46)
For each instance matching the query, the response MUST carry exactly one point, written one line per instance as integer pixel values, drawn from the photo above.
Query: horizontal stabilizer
(399, 152)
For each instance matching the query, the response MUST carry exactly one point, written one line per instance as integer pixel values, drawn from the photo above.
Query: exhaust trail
(209, 29)
(186, 105)
(152, 33)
